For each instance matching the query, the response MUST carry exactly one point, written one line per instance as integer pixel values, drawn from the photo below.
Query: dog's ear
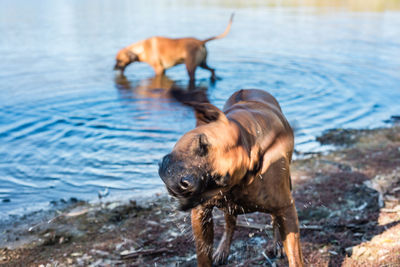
(206, 113)
(198, 100)
(132, 56)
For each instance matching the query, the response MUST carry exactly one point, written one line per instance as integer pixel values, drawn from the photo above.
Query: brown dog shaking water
(237, 160)
(162, 53)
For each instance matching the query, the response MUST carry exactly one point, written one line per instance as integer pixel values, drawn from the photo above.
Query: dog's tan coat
(162, 53)
(252, 143)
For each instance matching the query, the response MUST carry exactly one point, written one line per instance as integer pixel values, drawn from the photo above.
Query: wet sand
(347, 200)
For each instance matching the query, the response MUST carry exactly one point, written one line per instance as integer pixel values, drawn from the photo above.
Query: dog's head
(124, 58)
(205, 161)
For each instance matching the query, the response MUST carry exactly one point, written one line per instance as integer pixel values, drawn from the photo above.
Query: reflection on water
(70, 127)
(154, 87)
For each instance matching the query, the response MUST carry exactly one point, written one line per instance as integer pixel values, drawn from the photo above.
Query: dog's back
(254, 95)
(259, 113)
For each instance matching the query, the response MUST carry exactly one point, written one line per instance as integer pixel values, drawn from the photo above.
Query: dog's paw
(274, 250)
(220, 257)
(278, 250)
(215, 78)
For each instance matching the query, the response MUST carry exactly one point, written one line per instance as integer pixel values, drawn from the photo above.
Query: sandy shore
(347, 200)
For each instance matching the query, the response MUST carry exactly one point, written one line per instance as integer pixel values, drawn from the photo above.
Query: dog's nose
(186, 183)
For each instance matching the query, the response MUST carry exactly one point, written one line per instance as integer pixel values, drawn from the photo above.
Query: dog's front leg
(277, 247)
(191, 70)
(159, 70)
(202, 227)
(221, 254)
(288, 225)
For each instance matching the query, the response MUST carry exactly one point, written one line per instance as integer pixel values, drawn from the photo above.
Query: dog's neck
(138, 49)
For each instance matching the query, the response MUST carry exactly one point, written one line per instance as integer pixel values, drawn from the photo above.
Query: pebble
(126, 252)
(76, 254)
(113, 205)
(96, 263)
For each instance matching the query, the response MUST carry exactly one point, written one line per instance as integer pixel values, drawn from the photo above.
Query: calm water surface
(70, 127)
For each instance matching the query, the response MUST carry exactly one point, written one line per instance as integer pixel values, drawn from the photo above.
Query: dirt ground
(347, 201)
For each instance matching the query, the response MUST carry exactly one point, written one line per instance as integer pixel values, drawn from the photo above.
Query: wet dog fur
(238, 161)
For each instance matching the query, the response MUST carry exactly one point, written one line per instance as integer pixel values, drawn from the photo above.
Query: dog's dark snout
(118, 67)
(186, 183)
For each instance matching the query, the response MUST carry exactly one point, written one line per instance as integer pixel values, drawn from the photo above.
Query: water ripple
(69, 127)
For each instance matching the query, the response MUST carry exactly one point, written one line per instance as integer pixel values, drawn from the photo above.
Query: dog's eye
(203, 145)
(203, 150)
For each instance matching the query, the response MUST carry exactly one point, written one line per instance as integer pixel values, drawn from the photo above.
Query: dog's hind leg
(203, 231)
(221, 254)
(204, 65)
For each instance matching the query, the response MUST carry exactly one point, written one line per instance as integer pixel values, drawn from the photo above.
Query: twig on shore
(267, 226)
(267, 258)
(73, 213)
(144, 252)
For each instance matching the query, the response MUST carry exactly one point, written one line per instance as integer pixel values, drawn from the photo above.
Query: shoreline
(327, 145)
(347, 201)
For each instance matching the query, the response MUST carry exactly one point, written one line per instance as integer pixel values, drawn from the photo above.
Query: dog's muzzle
(118, 67)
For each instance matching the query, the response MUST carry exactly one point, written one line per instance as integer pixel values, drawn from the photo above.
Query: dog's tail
(222, 35)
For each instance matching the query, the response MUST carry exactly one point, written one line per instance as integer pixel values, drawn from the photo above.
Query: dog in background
(162, 53)
(238, 161)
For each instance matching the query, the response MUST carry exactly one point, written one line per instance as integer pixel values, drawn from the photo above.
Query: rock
(339, 137)
(100, 252)
(126, 252)
(76, 254)
(349, 250)
(113, 205)
(96, 263)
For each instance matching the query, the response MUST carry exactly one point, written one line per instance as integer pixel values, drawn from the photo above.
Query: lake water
(70, 127)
